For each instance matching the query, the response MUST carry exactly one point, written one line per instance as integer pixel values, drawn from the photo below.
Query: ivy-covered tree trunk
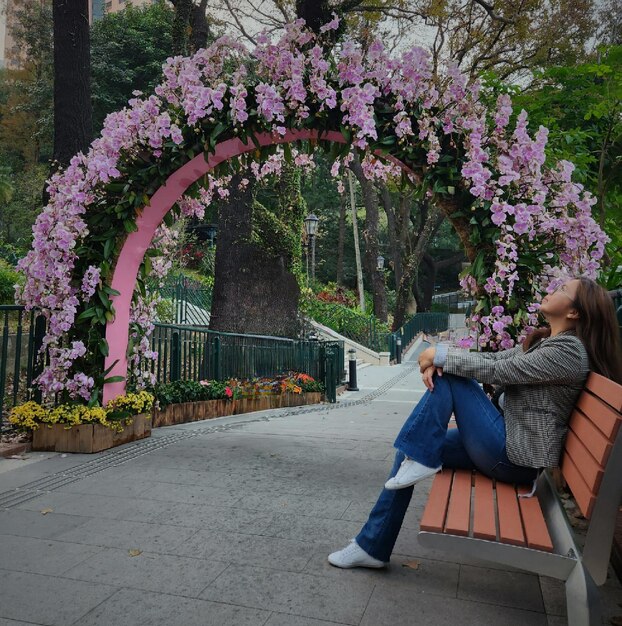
(256, 289)
(72, 83)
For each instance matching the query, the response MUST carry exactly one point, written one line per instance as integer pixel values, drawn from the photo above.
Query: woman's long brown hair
(597, 327)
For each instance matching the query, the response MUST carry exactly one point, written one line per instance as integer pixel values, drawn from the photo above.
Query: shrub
(8, 279)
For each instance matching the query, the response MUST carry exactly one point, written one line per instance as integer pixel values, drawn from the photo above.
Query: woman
(542, 380)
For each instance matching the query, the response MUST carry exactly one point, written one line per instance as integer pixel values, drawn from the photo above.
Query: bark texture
(72, 80)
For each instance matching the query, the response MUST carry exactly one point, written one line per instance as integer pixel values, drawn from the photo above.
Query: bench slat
(433, 519)
(484, 526)
(510, 526)
(459, 511)
(597, 444)
(584, 497)
(606, 389)
(536, 531)
(590, 470)
(602, 415)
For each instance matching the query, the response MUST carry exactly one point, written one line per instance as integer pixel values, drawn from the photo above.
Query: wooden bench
(469, 514)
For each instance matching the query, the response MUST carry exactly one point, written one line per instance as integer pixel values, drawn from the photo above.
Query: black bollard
(398, 349)
(352, 370)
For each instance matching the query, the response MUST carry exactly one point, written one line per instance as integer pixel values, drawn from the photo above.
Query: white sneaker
(354, 556)
(410, 472)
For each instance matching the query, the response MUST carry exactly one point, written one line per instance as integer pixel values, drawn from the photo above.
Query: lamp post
(311, 229)
(211, 230)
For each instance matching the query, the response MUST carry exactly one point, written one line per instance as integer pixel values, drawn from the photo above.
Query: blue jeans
(478, 443)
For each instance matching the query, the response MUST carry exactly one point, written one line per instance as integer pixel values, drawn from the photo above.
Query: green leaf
(114, 379)
(103, 347)
(108, 248)
(88, 314)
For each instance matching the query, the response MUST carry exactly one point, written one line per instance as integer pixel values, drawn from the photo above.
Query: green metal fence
(191, 301)
(431, 323)
(195, 353)
(21, 339)
(362, 328)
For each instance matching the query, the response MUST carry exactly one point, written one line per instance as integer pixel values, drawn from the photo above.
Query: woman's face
(560, 303)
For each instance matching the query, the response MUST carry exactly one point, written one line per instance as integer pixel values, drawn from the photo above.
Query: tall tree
(190, 27)
(72, 80)
(370, 236)
(128, 49)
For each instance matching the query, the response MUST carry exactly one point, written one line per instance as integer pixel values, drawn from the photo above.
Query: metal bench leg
(582, 599)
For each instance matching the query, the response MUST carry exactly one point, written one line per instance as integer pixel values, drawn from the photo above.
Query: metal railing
(453, 302)
(431, 323)
(195, 353)
(20, 342)
(191, 301)
(364, 329)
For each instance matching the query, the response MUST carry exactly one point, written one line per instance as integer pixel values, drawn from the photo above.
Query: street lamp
(380, 263)
(210, 231)
(311, 229)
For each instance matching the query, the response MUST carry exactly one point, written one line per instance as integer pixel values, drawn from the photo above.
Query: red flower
(228, 392)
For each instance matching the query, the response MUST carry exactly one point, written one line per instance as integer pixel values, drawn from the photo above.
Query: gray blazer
(541, 388)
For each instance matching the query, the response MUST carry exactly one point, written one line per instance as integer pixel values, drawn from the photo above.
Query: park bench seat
(468, 513)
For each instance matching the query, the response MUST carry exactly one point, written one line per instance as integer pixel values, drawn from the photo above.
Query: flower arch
(107, 225)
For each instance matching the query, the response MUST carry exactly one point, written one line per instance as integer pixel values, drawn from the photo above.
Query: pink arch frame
(137, 243)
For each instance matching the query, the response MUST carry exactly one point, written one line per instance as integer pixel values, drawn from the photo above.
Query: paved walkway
(228, 523)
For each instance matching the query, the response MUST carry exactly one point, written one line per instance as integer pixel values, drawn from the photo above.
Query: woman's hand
(428, 376)
(426, 359)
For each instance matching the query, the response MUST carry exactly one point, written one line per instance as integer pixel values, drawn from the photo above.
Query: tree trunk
(342, 239)
(315, 13)
(254, 291)
(370, 235)
(181, 27)
(72, 80)
(357, 250)
(200, 26)
(431, 224)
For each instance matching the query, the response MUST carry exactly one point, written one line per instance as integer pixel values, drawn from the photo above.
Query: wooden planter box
(89, 438)
(194, 411)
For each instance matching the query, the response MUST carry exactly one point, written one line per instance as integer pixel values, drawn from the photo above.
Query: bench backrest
(593, 428)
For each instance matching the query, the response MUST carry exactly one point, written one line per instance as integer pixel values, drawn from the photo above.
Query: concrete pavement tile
(107, 484)
(434, 577)
(42, 556)
(282, 619)
(303, 505)
(160, 538)
(192, 494)
(45, 599)
(257, 550)
(515, 589)
(12, 622)
(216, 518)
(149, 571)
(399, 607)
(556, 620)
(34, 524)
(298, 594)
(315, 529)
(108, 507)
(554, 594)
(132, 607)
